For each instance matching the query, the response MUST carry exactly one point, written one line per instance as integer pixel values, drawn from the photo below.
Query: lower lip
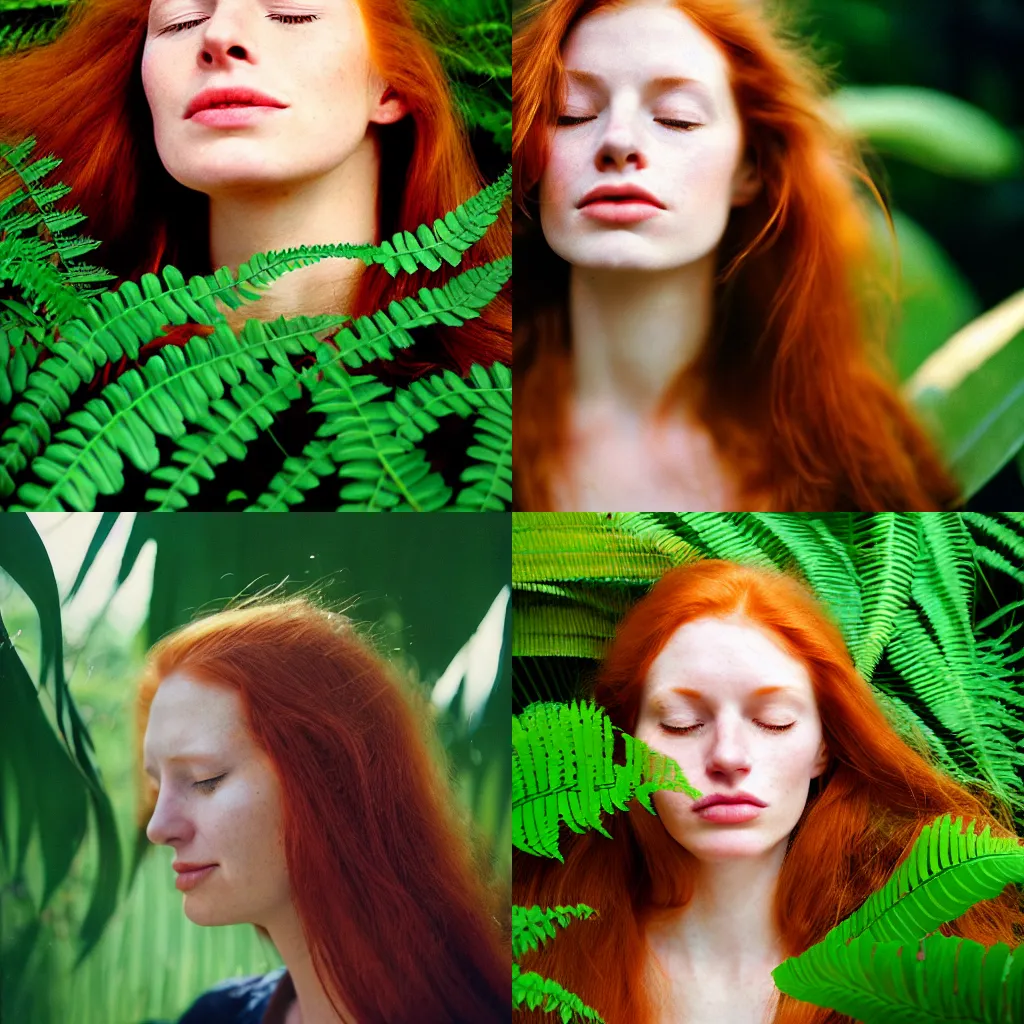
(230, 117)
(729, 814)
(620, 211)
(190, 879)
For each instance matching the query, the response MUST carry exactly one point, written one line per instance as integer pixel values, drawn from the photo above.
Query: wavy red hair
(793, 383)
(874, 798)
(81, 96)
(399, 924)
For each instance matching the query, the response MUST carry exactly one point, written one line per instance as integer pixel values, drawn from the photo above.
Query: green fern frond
(450, 235)
(533, 926)
(885, 547)
(944, 874)
(231, 424)
(940, 978)
(298, 474)
(533, 991)
(879, 963)
(563, 771)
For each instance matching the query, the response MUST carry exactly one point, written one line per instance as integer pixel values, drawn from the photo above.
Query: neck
(314, 1007)
(340, 206)
(728, 928)
(634, 332)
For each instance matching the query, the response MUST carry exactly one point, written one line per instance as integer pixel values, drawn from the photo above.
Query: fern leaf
(230, 426)
(533, 926)
(533, 991)
(298, 474)
(563, 771)
(939, 979)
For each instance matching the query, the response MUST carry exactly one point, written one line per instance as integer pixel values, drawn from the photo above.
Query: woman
(349, 134)
(293, 778)
(809, 801)
(695, 325)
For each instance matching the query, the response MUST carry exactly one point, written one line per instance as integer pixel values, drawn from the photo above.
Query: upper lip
(620, 192)
(239, 94)
(727, 798)
(181, 865)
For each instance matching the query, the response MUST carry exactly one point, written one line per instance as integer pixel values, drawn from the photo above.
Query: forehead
(642, 41)
(188, 717)
(726, 658)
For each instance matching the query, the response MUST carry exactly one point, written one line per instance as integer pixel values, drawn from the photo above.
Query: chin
(202, 913)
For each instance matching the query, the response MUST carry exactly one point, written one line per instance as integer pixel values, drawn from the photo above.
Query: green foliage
(882, 964)
(563, 770)
(197, 394)
(904, 588)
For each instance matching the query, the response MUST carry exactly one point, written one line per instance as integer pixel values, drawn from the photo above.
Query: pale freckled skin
(303, 175)
(640, 294)
(719, 951)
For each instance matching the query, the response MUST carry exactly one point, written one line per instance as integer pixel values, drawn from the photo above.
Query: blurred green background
(935, 89)
(433, 591)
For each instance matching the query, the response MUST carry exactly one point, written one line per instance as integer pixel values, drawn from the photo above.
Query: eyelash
(286, 19)
(686, 730)
(207, 785)
(565, 121)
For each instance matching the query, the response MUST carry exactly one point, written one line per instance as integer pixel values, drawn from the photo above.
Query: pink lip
(211, 98)
(727, 798)
(230, 117)
(620, 211)
(729, 814)
(190, 879)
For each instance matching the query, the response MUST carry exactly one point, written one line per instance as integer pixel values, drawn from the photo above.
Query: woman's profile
(295, 780)
(196, 135)
(699, 319)
(809, 800)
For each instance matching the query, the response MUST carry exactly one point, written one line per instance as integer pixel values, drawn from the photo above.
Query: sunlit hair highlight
(81, 96)
(874, 797)
(399, 923)
(794, 383)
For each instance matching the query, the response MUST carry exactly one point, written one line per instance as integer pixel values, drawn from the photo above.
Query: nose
(728, 757)
(621, 144)
(225, 38)
(168, 825)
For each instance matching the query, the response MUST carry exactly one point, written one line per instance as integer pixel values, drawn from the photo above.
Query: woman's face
(219, 803)
(310, 56)
(648, 107)
(739, 716)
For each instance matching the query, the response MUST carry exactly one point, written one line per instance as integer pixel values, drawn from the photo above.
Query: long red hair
(397, 919)
(793, 382)
(874, 798)
(81, 96)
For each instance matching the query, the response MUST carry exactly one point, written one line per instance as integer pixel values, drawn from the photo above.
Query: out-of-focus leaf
(971, 393)
(931, 129)
(49, 794)
(935, 299)
(102, 533)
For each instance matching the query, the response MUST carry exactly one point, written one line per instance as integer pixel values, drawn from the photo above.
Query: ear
(746, 182)
(821, 761)
(389, 106)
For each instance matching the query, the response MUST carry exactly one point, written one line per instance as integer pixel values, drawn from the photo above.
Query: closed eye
(208, 785)
(680, 125)
(683, 730)
(286, 19)
(565, 121)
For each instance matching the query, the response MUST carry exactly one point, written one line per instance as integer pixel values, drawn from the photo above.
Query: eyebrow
(181, 759)
(661, 83)
(761, 691)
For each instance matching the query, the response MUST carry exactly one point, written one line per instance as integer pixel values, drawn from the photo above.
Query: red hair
(875, 796)
(793, 382)
(399, 924)
(81, 96)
